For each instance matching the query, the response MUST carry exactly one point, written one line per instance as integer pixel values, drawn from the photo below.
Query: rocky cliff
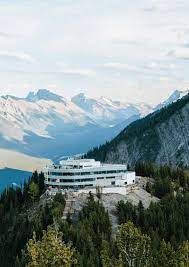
(161, 137)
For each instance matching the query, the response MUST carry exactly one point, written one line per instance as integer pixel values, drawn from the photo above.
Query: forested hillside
(161, 137)
(33, 233)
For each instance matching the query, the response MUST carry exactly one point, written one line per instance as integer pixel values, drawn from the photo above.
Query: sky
(133, 50)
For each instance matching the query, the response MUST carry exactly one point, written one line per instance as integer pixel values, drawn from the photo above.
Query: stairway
(68, 206)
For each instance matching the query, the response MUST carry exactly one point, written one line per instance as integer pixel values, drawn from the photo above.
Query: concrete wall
(130, 177)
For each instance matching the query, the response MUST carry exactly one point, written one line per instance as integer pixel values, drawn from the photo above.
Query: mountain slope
(42, 124)
(176, 95)
(35, 114)
(161, 137)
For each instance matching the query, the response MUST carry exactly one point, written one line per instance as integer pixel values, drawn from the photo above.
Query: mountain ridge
(162, 137)
(176, 95)
(44, 94)
(45, 124)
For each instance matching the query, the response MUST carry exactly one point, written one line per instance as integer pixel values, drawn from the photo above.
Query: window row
(70, 180)
(85, 173)
(77, 180)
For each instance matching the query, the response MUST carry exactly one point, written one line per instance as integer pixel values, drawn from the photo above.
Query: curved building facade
(81, 173)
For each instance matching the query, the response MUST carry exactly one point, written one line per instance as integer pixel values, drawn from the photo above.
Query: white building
(81, 173)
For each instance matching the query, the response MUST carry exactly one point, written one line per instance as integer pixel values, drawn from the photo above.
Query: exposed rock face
(162, 137)
(174, 139)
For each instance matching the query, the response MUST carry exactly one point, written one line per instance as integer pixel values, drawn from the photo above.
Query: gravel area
(110, 197)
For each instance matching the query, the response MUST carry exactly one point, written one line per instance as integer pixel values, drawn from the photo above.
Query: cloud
(180, 53)
(152, 67)
(106, 44)
(8, 35)
(160, 66)
(120, 66)
(16, 56)
(5, 35)
(78, 71)
(69, 69)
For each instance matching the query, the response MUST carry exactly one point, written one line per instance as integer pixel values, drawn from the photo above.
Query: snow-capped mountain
(44, 94)
(36, 114)
(110, 112)
(47, 125)
(176, 95)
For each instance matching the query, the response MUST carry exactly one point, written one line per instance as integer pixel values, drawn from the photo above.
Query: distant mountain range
(107, 112)
(161, 137)
(47, 125)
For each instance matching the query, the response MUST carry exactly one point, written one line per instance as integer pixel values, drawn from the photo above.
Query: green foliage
(33, 191)
(167, 219)
(89, 234)
(167, 179)
(58, 205)
(153, 237)
(134, 247)
(49, 251)
(169, 257)
(183, 254)
(105, 254)
(16, 223)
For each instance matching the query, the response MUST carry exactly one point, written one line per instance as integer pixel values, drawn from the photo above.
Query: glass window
(111, 171)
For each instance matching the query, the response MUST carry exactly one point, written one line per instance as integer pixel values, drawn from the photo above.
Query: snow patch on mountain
(176, 95)
(110, 112)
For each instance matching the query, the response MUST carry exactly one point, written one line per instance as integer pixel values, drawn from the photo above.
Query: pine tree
(105, 254)
(33, 191)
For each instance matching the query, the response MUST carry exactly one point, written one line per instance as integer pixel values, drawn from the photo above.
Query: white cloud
(152, 67)
(122, 67)
(78, 71)
(118, 66)
(160, 66)
(180, 53)
(128, 38)
(74, 70)
(17, 56)
(6, 35)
